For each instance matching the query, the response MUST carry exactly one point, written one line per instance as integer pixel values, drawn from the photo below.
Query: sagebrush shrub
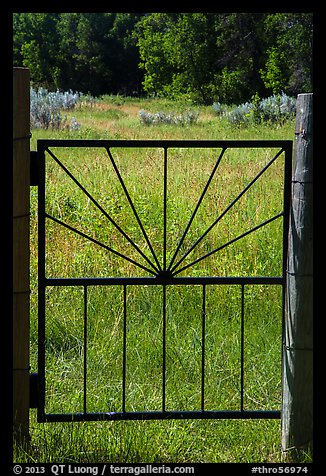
(187, 118)
(274, 109)
(46, 108)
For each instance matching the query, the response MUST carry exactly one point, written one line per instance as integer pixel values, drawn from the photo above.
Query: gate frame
(163, 278)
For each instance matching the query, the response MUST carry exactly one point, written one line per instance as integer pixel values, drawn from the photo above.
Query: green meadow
(68, 254)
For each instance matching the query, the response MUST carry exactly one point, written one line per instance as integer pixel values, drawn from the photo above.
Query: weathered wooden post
(297, 407)
(21, 284)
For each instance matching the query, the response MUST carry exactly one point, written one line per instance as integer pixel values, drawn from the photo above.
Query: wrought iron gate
(152, 263)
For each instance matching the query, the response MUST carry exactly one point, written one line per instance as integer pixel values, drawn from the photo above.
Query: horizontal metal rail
(166, 280)
(44, 144)
(167, 415)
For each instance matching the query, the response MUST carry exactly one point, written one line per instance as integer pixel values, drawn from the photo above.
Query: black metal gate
(158, 265)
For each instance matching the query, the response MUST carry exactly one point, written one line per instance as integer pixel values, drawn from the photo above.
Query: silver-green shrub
(275, 109)
(186, 118)
(46, 107)
(219, 109)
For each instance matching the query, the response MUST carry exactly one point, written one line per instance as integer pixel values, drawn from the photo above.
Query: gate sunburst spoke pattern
(164, 261)
(111, 220)
(175, 270)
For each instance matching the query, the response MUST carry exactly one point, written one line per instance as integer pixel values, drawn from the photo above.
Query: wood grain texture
(297, 407)
(21, 252)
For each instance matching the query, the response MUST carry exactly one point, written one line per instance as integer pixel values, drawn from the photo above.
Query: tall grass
(70, 255)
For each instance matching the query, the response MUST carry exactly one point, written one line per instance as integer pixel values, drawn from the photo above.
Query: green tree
(100, 53)
(276, 71)
(91, 52)
(177, 52)
(205, 55)
(225, 57)
(127, 76)
(239, 56)
(288, 65)
(151, 34)
(93, 46)
(36, 46)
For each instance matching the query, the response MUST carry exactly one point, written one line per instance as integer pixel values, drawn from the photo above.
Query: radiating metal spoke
(133, 209)
(196, 208)
(224, 212)
(229, 243)
(102, 210)
(71, 228)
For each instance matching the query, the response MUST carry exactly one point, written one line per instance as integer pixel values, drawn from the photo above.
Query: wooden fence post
(297, 407)
(21, 221)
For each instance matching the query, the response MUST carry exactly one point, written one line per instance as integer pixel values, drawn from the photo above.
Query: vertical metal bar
(242, 348)
(286, 204)
(164, 348)
(85, 349)
(124, 350)
(287, 180)
(286, 224)
(41, 286)
(203, 349)
(164, 205)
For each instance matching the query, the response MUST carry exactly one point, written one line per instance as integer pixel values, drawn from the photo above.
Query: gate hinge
(34, 175)
(33, 390)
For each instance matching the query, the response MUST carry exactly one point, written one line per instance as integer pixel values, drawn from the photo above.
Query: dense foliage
(91, 52)
(206, 57)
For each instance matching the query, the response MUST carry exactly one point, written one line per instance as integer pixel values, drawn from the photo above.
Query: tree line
(206, 57)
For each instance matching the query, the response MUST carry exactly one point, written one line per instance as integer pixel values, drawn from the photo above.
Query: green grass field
(70, 255)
